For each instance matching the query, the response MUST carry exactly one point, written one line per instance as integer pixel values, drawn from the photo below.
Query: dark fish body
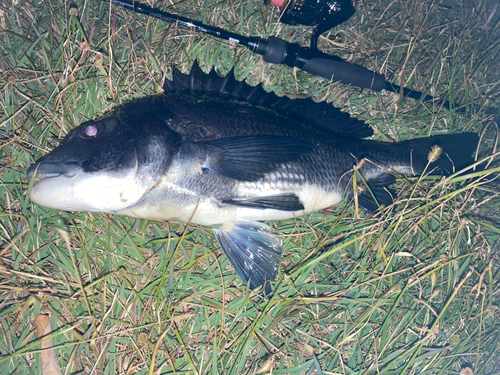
(216, 152)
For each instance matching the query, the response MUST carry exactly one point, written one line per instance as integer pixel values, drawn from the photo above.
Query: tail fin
(444, 154)
(441, 154)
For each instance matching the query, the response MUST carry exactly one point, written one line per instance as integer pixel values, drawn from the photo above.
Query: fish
(217, 152)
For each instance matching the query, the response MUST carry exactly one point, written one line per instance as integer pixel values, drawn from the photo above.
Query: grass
(416, 292)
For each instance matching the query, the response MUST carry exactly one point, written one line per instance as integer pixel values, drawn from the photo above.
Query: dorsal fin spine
(322, 115)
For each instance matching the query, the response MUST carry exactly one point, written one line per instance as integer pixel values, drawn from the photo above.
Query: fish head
(104, 165)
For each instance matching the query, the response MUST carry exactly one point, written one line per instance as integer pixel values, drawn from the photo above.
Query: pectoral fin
(254, 250)
(250, 158)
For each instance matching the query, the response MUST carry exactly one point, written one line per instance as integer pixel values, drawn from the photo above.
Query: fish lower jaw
(87, 192)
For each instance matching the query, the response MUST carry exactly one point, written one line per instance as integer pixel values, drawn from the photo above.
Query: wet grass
(414, 292)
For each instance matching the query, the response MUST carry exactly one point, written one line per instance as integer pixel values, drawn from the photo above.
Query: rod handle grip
(313, 61)
(349, 74)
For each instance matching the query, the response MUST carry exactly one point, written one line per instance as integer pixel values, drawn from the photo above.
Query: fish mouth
(42, 170)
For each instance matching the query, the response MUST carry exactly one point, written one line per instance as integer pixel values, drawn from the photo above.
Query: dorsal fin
(321, 115)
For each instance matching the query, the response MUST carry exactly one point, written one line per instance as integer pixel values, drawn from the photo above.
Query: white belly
(208, 212)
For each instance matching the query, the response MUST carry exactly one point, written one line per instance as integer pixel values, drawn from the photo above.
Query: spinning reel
(323, 14)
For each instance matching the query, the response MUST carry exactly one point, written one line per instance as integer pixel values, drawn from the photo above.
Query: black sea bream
(217, 152)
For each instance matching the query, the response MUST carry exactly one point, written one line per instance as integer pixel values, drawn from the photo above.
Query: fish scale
(214, 151)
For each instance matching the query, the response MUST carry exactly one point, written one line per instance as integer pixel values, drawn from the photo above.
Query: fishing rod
(276, 51)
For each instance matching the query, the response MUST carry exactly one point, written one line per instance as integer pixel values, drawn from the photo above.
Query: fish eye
(91, 130)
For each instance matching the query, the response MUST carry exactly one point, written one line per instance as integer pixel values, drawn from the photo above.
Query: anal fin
(283, 202)
(378, 195)
(254, 250)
